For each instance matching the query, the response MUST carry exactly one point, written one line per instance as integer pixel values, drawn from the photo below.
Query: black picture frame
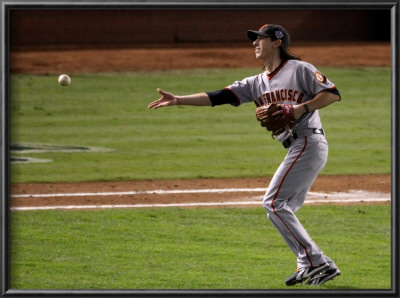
(7, 6)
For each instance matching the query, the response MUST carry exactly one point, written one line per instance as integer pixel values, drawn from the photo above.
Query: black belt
(286, 143)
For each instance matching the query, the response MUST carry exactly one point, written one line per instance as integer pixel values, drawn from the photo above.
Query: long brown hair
(286, 55)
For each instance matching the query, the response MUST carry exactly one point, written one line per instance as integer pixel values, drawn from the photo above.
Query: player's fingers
(277, 113)
(151, 104)
(165, 100)
(160, 91)
(160, 105)
(154, 104)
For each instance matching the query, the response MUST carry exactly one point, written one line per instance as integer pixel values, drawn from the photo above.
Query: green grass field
(223, 248)
(110, 110)
(176, 248)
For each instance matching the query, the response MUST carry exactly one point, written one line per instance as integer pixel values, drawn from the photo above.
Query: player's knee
(267, 203)
(272, 204)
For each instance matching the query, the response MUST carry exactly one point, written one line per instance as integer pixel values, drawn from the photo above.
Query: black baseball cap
(273, 31)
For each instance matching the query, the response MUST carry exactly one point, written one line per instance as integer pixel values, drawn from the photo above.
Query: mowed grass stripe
(179, 248)
(110, 111)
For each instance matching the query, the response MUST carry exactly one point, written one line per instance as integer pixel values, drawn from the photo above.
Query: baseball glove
(276, 123)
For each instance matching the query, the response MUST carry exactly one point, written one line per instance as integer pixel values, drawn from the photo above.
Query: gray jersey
(293, 82)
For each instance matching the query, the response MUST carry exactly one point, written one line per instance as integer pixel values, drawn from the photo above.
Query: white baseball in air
(64, 80)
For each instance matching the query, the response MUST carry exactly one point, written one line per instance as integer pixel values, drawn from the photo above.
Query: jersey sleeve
(243, 90)
(313, 81)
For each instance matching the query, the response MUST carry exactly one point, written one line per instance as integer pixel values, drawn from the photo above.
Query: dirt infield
(67, 194)
(85, 60)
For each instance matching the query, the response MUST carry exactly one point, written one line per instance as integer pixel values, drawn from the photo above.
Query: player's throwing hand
(167, 99)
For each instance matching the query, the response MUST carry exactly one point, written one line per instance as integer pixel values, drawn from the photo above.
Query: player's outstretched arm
(169, 99)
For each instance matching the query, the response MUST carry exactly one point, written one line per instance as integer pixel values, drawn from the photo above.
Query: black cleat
(323, 277)
(304, 273)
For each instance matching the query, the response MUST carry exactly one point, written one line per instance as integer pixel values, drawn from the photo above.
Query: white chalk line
(353, 193)
(139, 192)
(313, 197)
(185, 204)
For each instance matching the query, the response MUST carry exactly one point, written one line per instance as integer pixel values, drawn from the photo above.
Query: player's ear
(277, 43)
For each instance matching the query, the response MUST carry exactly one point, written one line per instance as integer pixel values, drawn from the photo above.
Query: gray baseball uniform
(293, 82)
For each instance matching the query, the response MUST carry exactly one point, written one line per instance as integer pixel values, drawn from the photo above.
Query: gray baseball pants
(287, 191)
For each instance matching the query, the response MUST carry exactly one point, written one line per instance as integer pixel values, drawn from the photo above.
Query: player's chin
(257, 54)
(258, 57)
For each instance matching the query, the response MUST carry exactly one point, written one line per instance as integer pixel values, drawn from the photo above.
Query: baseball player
(299, 90)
